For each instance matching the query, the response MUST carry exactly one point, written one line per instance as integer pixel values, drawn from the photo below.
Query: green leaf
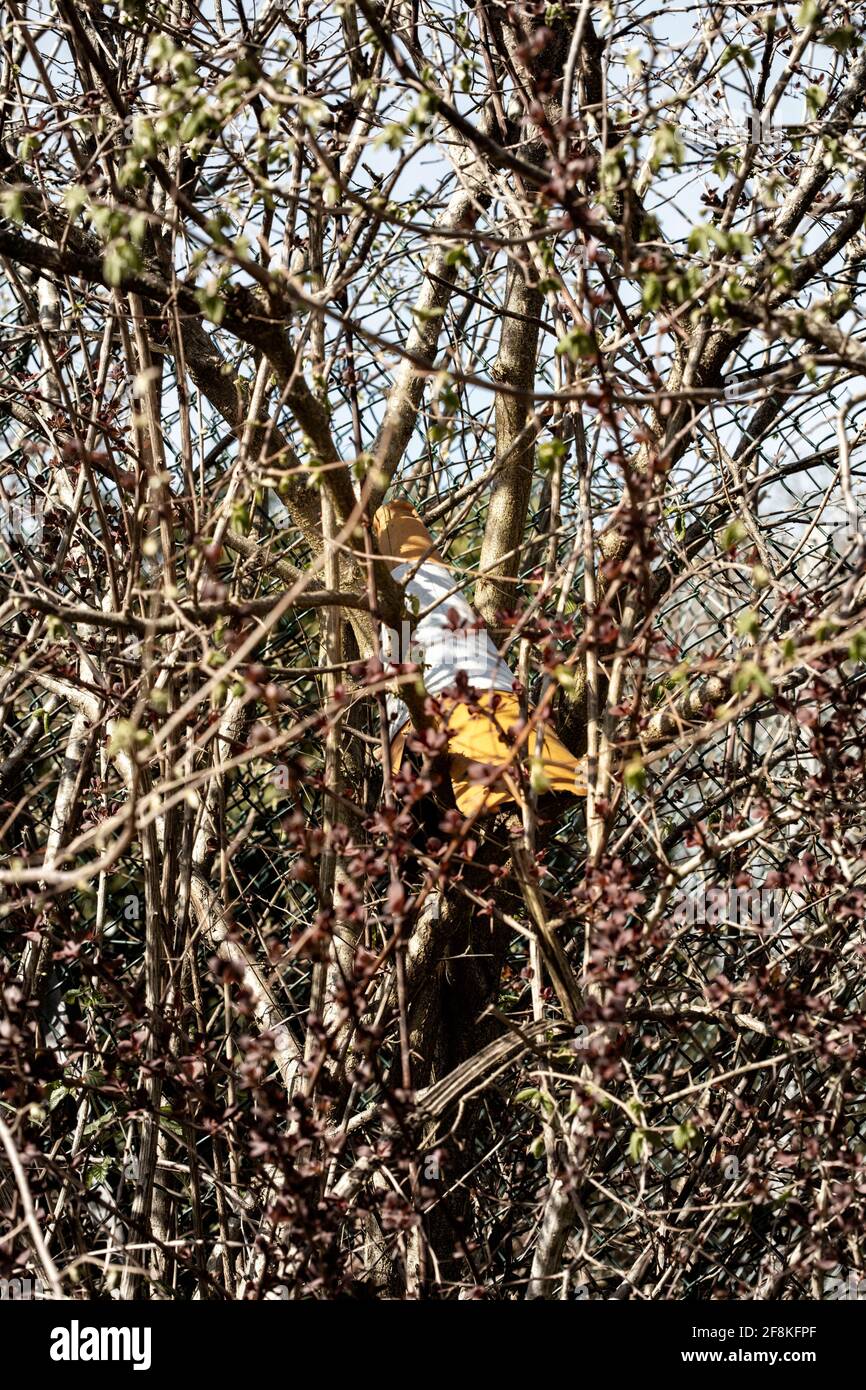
(211, 302)
(97, 1172)
(74, 199)
(684, 1136)
(426, 315)
(120, 260)
(549, 453)
(538, 778)
(760, 577)
(634, 62)
(737, 50)
(701, 237)
(666, 144)
(392, 135)
(651, 296)
(747, 623)
(637, 1145)
(634, 775)
(12, 205)
(56, 1095)
(126, 737)
(733, 533)
(749, 676)
(816, 100)
(577, 344)
(841, 39)
(857, 647)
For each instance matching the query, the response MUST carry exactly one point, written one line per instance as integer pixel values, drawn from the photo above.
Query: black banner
(154, 1338)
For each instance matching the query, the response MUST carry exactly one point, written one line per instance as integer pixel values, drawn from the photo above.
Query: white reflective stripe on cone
(447, 639)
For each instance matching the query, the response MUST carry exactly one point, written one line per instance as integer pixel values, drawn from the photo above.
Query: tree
(582, 282)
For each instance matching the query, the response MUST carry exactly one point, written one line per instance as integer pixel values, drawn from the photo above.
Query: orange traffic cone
(449, 638)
